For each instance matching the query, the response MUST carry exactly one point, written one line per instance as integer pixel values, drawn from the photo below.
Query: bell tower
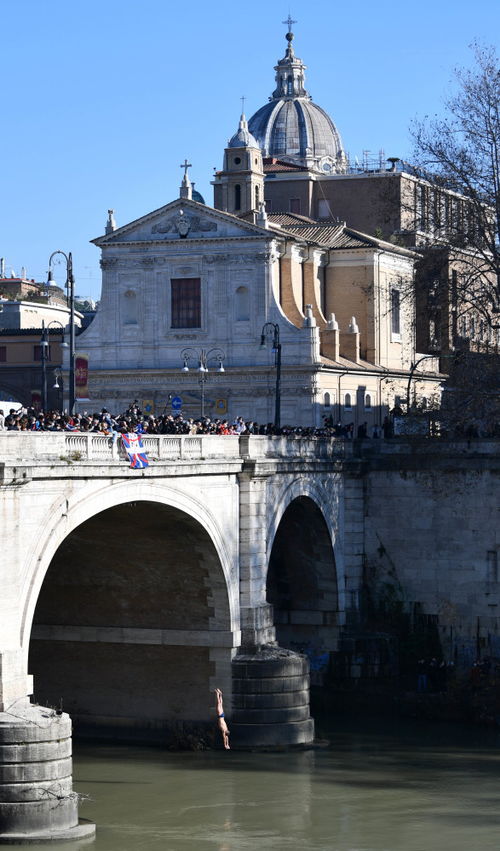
(239, 187)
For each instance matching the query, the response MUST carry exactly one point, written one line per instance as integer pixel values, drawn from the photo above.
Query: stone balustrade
(88, 446)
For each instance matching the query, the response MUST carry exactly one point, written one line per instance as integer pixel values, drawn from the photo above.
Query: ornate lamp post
(203, 357)
(272, 330)
(70, 298)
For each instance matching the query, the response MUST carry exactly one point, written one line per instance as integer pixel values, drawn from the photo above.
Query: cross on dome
(185, 165)
(289, 21)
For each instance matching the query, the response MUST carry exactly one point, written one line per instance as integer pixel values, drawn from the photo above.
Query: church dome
(292, 127)
(243, 138)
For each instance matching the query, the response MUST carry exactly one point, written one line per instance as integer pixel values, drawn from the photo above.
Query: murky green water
(378, 787)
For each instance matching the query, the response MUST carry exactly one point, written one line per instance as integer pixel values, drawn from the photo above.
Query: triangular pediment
(182, 219)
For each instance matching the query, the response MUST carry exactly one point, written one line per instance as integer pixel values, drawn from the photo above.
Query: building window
(295, 205)
(257, 198)
(242, 305)
(422, 207)
(269, 205)
(130, 308)
(186, 302)
(492, 566)
(237, 160)
(326, 400)
(395, 313)
(37, 352)
(368, 402)
(237, 197)
(3, 354)
(324, 211)
(347, 402)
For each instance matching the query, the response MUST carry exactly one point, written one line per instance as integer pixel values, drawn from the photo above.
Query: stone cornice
(184, 204)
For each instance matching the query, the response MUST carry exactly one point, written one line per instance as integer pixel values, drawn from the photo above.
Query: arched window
(130, 308)
(242, 305)
(289, 85)
(347, 402)
(326, 400)
(257, 197)
(368, 402)
(237, 197)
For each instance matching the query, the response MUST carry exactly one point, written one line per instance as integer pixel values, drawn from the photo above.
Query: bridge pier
(37, 802)
(270, 684)
(271, 699)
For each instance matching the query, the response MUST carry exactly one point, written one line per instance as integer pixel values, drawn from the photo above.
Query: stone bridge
(129, 595)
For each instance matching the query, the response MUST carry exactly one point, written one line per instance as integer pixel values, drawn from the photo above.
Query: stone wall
(432, 537)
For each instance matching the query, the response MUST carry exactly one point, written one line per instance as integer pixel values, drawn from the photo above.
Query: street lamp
(271, 329)
(44, 356)
(70, 299)
(413, 367)
(203, 357)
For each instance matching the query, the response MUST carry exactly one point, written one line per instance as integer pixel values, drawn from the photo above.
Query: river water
(376, 786)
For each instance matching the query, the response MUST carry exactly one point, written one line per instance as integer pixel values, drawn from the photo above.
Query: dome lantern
(291, 126)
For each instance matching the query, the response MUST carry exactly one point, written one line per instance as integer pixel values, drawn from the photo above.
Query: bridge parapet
(88, 446)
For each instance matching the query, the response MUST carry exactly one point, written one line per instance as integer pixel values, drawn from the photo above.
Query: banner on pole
(82, 377)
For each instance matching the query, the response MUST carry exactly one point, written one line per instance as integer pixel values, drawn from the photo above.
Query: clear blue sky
(103, 99)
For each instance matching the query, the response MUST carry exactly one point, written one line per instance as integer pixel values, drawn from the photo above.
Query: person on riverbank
(221, 721)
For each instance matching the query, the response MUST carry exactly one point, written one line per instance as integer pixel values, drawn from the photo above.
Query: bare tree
(460, 158)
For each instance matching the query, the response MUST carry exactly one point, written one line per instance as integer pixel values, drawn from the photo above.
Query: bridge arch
(135, 585)
(305, 579)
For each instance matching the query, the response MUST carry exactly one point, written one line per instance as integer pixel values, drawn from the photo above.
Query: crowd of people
(135, 420)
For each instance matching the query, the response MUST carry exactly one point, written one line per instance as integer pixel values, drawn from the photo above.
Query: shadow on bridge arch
(302, 581)
(132, 625)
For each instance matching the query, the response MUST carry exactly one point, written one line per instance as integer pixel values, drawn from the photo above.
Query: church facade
(218, 310)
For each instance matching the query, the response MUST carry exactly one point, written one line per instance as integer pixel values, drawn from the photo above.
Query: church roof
(331, 234)
(272, 164)
(291, 125)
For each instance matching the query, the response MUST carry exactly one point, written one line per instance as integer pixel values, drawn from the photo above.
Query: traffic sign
(176, 403)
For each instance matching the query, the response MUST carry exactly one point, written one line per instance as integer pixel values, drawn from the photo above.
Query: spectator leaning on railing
(134, 421)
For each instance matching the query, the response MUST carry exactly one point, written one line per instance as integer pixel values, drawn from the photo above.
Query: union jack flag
(132, 444)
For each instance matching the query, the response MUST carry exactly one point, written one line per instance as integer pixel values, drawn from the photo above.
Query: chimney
(349, 341)
(330, 339)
